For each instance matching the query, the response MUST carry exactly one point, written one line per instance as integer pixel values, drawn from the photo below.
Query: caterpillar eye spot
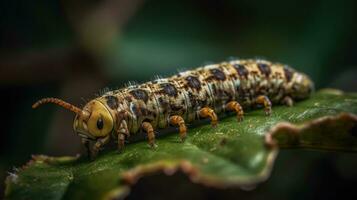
(242, 71)
(169, 89)
(218, 74)
(100, 124)
(193, 82)
(264, 69)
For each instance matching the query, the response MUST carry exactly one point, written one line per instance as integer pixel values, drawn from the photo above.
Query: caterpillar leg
(264, 100)
(98, 145)
(86, 145)
(288, 101)
(207, 112)
(122, 131)
(177, 120)
(147, 127)
(121, 142)
(236, 107)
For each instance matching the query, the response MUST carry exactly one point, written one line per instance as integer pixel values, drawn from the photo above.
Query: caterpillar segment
(184, 98)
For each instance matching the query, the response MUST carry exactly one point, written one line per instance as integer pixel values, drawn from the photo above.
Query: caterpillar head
(301, 86)
(91, 122)
(94, 121)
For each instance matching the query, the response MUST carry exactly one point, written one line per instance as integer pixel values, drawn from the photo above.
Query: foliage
(231, 155)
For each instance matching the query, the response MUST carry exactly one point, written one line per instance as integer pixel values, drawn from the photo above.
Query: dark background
(73, 49)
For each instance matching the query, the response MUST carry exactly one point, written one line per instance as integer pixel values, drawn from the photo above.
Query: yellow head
(92, 122)
(95, 121)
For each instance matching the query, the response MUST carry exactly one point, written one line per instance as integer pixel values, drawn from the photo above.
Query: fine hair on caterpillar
(184, 98)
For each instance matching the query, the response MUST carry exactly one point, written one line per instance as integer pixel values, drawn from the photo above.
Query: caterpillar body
(185, 98)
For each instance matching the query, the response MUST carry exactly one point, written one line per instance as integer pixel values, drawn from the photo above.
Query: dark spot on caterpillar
(140, 94)
(218, 74)
(169, 89)
(264, 69)
(193, 82)
(288, 74)
(112, 102)
(242, 71)
(140, 111)
(175, 107)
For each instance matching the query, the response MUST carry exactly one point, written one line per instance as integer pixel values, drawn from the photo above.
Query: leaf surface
(231, 155)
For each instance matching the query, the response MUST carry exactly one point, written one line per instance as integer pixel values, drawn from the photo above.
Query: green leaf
(231, 155)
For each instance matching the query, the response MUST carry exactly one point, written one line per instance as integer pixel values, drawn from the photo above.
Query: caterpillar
(184, 98)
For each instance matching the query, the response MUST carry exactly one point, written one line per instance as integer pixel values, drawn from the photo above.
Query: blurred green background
(74, 49)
